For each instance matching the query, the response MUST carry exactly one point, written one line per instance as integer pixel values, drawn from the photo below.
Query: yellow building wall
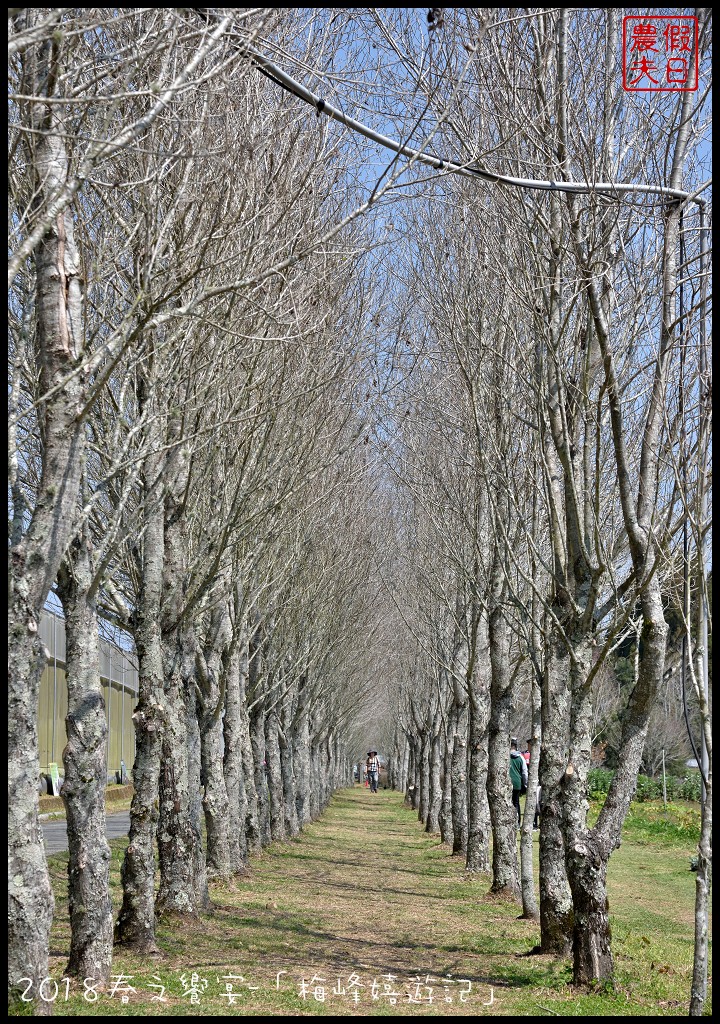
(52, 737)
(129, 705)
(45, 719)
(51, 717)
(61, 706)
(115, 720)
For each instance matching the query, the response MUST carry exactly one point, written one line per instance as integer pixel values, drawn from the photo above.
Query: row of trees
(550, 393)
(187, 351)
(324, 490)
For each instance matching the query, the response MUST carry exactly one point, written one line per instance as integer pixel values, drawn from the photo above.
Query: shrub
(599, 780)
(672, 787)
(690, 789)
(647, 789)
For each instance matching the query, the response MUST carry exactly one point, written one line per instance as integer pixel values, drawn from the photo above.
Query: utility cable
(291, 85)
(471, 170)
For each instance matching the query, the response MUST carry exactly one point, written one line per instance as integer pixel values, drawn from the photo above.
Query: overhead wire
(471, 170)
(468, 169)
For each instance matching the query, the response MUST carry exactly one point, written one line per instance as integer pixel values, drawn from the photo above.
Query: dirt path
(368, 895)
(367, 914)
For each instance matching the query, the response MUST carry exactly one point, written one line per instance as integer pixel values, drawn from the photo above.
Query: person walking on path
(373, 770)
(518, 775)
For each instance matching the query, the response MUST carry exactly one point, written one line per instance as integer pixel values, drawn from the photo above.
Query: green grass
(371, 904)
(678, 824)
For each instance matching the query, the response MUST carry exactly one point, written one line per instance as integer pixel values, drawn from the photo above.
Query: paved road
(55, 832)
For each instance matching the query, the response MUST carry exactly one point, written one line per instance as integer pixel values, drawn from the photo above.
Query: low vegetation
(365, 914)
(686, 788)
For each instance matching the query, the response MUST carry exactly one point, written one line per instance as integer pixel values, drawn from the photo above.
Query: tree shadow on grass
(381, 956)
(376, 890)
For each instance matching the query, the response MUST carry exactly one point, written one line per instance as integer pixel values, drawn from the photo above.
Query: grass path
(365, 914)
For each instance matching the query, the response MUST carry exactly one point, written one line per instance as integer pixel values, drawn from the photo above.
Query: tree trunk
(313, 798)
(698, 991)
(424, 776)
(175, 835)
(413, 790)
(456, 763)
(136, 923)
(194, 767)
(30, 896)
(446, 819)
(459, 781)
(556, 909)
(587, 871)
(274, 775)
(212, 675)
(585, 859)
(432, 823)
(329, 775)
(287, 765)
(531, 910)
(404, 773)
(35, 556)
(235, 671)
(322, 768)
(253, 824)
(588, 850)
(257, 739)
(499, 787)
(84, 760)
(393, 765)
(301, 761)
(212, 785)
(478, 717)
(292, 826)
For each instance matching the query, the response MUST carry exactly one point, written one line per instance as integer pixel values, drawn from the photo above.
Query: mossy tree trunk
(85, 764)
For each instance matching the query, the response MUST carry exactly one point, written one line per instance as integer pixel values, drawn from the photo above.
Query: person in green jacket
(518, 775)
